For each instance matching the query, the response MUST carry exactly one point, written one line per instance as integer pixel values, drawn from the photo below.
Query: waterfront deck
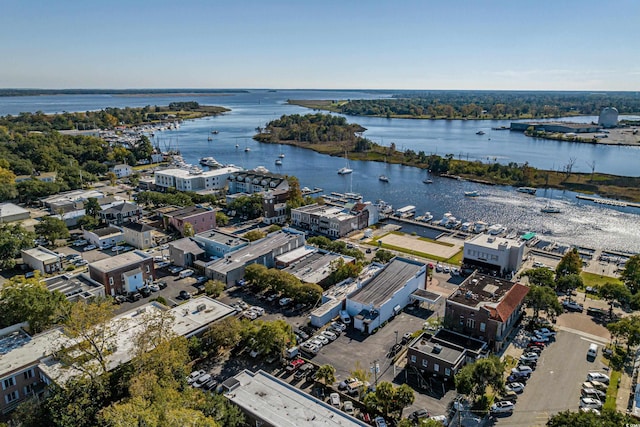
(610, 202)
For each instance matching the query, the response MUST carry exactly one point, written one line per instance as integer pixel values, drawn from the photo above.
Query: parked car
(595, 384)
(324, 340)
(522, 370)
(348, 405)
(257, 310)
(184, 295)
(119, 299)
(303, 371)
(339, 326)
(294, 365)
(89, 248)
(592, 392)
(502, 407)
(163, 264)
(193, 376)
(145, 291)
(154, 287)
(211, 384)
(201, 279)
(545, 332)
(343, 384)
(507, 396)
(162, 284)
(201, 381)
(515, 387)
(406, 337)
(80, 262)
(80, 242)
(330, 335)
(540, 338)
(251, 315)
(598, 376)
(514, 378)
(285, 301)
(302, 334)
(175, 269)
(572, 306)
(134, 296)
(415, 416)
(590, 402)
(334, 398)
(534, 349)
(529, 357)
(439, 268)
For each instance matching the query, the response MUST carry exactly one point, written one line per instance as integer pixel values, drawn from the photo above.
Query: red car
(294, 365)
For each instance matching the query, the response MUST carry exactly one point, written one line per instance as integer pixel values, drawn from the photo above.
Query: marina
(609, 202)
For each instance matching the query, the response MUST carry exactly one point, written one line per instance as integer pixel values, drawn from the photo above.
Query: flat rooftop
(479, 289)
(185, 173)
(278, 403)
(437, 349)
(222, 238)
(127, 258)
(389, 281)
(42, 254)
(9, 209)
(493, 242)
(18, 350)
(71, 285)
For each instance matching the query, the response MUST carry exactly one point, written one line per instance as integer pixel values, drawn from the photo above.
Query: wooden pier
(609, 202)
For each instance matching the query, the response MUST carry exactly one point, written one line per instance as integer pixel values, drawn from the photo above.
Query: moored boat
(527, 190)
(383, 178)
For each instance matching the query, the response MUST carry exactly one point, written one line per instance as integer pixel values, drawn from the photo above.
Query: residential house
(121, 213)
(105, 237)
(122, 171)
(138, 234)
(185, 252)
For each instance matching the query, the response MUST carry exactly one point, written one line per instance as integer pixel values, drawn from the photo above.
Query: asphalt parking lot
(555, 384)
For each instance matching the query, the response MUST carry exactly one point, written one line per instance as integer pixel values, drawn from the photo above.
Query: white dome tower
(608, 117)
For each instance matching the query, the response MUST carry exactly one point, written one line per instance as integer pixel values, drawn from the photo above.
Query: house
(493, 253)
(185, 252)
(123, 273)
(201, 219)
(486, 308)
(122, 171)
(268, 401)
(76, 287)
(230, 269)
(331, 221)
(40, 176)
(42, 259)
(11, 213)
(121, 213)
(138, 234)
(105, 237)
(386, 294)
(439, 356)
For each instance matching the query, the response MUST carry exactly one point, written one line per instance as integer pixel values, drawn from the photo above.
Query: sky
(321, 44)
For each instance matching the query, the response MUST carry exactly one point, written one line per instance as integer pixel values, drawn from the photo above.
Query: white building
(188, 180)
(386, 294)
(104, 237)
(494, 253)
(608, 117)
(122, 171)
(42, 259)
(10, 212)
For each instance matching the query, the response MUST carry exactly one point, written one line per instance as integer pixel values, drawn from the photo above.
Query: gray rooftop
(280, 404)
(438, 349)
(394, 276)
(106, 231)
(9, 209)
(187, 245)
(118, 261)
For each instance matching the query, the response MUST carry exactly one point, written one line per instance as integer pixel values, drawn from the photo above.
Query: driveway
(555, 385)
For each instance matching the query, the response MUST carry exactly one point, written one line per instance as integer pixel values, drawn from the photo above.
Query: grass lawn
(612, 391)
(595, 280)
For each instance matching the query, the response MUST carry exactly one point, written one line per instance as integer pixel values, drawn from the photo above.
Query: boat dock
(308, 191)
(609, 202)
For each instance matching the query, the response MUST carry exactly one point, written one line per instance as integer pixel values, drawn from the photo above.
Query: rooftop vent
(437, 348)
(468, 294)
(201, 307)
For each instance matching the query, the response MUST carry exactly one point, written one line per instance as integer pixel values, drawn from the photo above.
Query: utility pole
(375, 368)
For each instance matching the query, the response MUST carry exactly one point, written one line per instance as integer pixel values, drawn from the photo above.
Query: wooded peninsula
(480, 105)
(333, 135)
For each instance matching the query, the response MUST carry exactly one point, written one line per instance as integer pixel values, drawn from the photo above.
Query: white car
(194, 376)
(154, 287)
(502, 407)
(163, 264)
(251, 315)
(334, 398)
(259, 311)
(517, 387)
(338, 325)
(545, 332)
(285, 301)
(598, 376)
(202, 380)
(529, 357)
(522, 370)
(439, 268)
(348, 407)
(330, 335)
(595, 384)
(315, 341)
(592, 392)
(593, 410)
(590, 402)
(89, 248)
(324, 340)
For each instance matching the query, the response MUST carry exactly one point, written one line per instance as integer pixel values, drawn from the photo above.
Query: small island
(334, 136)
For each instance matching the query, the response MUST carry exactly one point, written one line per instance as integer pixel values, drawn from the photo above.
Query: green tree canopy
(614, 292)
(474, 378)
(52, 228)
(571, 263)
(326, 374)
(540, 276)
(607, 418)
(383, 256)
(569, 282)
(254, 235)
(13, 238)
(631, 274)
(542, 298)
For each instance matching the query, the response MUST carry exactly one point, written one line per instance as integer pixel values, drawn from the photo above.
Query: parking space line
(584, 334)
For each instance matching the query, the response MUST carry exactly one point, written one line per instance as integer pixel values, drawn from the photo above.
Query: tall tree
(614, 292)
(631, 274)
(52, 228)
(474, 378)
(542, 298)
(569, 282)
(403, 396)
(326, 374)
(92, 207)
(571, 263)
(13, 238)
(540, 276)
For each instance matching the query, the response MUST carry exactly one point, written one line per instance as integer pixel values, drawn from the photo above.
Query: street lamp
(396, 332)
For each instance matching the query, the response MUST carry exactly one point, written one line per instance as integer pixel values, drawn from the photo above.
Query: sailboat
(345, 170)
(427, 180)
(550, 209)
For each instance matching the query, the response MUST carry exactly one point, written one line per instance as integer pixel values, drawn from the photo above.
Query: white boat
(473, 193)
(427, 181)
(211, 162)
(345, 170)
(480, 132)
(480, 226)
(406, 211)
(383, 207)
(247, 149)
(281, 155)
(496, 229)
(550, 209)
(449, 221)
(383, 178)
(427, 216)
(278, 162)
(527, 190)
(466, 226)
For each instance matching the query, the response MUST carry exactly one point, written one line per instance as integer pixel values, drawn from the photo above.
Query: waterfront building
(493, 253)
(561, 127)
(256, 181)
(331, 221)
(194, 180)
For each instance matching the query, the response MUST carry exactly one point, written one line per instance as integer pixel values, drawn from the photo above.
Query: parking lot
(555, 384)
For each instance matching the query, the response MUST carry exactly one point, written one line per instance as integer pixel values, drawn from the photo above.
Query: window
(436, 367)
(425, 362)
(447, 372)
(111, 281)
(413, 358)
(8, 382)
(28, 374)
(483, 326)
(471, 323)
(148, 269)
(10, 397)
(461, 320)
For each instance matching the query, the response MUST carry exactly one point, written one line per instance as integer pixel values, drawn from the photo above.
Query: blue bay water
(581, 222)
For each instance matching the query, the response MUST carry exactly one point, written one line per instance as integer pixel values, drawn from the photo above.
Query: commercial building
(331, 221)
(494, 253)
(201, 219)
(185, 252)
(274, 206)
(218, 244)
(270, 402)
(561, 127)
(439, 356)
(123, 273)
(386, 294)
(40, 176)
(310, 264)
(11, 213)
(42, 259)
(486, 308)
(192, 180)
(230, 269)
(76, 287)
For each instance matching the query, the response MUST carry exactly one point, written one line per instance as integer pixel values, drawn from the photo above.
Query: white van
(344, 317)
(185, 273)
(592, 353)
